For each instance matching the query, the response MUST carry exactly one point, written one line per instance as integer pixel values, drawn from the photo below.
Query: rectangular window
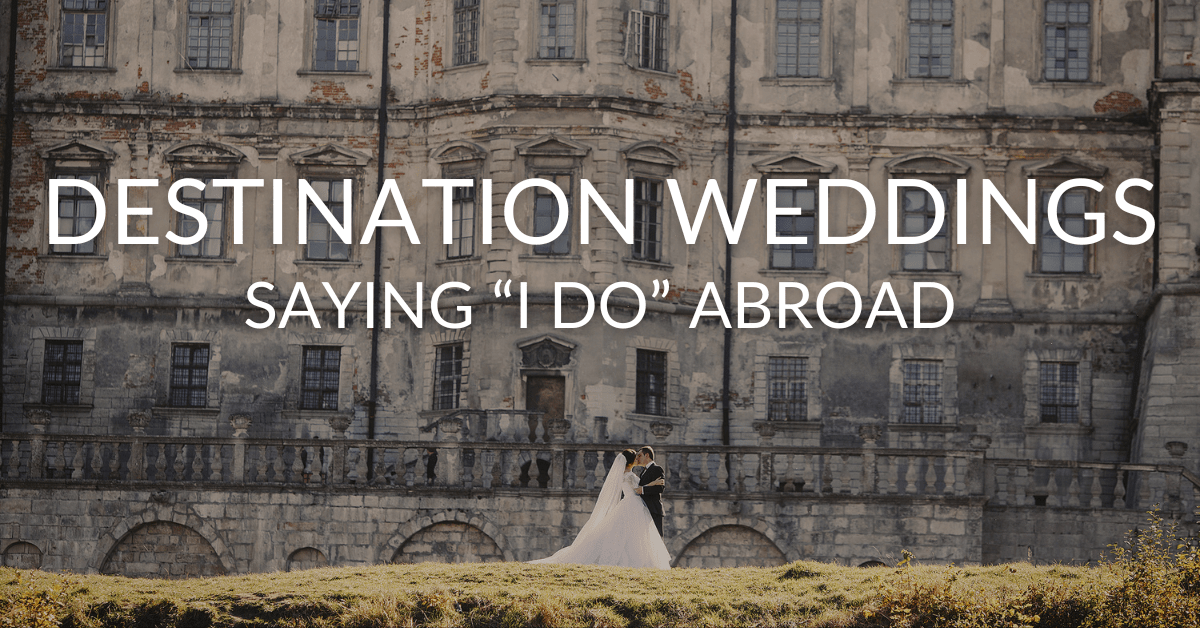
(796, 255)
(462, 215)
(76, 214)
(466, 31)
(930, 38)
(1056, 255)
(336, 46)
(1059, 398)
(1068, 40)
(62, 371)
(323, 243)
(189, 376)
(447, 376)
(651, 382)
(919, 212)
(211, 201)
(557, 38)
(210, 34)
(787, 394)
(545, 215)
(320, 374)
(798, 38)
(647, 219)
(922, 391)
(84, 34)
(648, 34)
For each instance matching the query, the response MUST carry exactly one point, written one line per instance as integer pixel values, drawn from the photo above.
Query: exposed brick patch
(654, 90)
(329, 92)
(163, 549)
(731, 546)
(1118, 102)
(686, 84)
(449, 542)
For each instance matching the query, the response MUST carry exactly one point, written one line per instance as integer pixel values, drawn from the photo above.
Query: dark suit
(650, 494)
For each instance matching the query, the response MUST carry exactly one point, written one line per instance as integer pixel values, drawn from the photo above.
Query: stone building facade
(143, 419)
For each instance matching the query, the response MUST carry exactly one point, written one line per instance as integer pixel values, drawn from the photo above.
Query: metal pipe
(730, 152)
(381, 175)
(10, 121)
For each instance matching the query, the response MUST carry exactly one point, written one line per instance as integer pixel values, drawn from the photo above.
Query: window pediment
(1064, 167)
(330, 155)
(458, 152)
(553, 146)
(927, 164)
(204, 154)
(545, 353)
(78, 151)
(795, 164)
(653, 152)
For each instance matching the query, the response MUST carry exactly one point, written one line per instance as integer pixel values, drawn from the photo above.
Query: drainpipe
(730, 151)
(10, 120)
(380, 158)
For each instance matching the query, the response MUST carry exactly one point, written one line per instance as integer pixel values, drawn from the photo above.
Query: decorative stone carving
(661, 430)
(980, 441)
(869, 434)
(546, 354)
(558, 428)
(139, 420)
(340, 423)
(1176, 448)
(38, 418)
(240, 423)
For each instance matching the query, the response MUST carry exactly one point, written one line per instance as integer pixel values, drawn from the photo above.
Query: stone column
(138, 420)
(976, 467)
(240, 423)
(337, 467)
(450, 427)
(870, 472)
(38, 420)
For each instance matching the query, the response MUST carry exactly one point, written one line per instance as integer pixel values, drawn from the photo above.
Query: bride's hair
(629, 456)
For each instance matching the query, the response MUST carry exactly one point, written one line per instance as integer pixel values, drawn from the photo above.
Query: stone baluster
(1176, 449)
(704, 473)
(217, 468)
(826, 479)
(893, 475)
(279, 468)
(160, 462)
(4, 460)
(949, 476)
(297, 471)
(451, 458)
(833, 474)
(60, 460)
(339, 423)
(505, 459)
(237, 466)
(76, 464)
(1119, 490)
(97, 461)
(910, 486)
(138, 421)
(38, 420)
(260, 469)
(685, 471)
(723, 471)
(1094, 490)
(977, 469)
(360, 466)
(1052, 498)
(1073, 490)
(929, 482)
(1144, 494)
(739, 466)
(197, 463)
(179, 465)
(557, 431)
(870, 472)
(579, 477)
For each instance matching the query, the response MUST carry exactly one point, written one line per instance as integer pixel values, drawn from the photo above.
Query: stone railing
(450, 464)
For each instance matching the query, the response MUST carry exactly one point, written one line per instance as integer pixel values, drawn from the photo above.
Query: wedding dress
(620, 531)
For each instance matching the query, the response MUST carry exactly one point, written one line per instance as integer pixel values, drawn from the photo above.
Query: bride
(620, 531)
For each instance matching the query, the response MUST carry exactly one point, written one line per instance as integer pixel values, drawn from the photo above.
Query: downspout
(730, 152)
(380, 159)
(10, 121)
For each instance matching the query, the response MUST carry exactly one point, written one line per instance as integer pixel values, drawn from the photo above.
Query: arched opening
(731, 546)
(449, 542)
(163, 549)
(307, 558)
(22, 555)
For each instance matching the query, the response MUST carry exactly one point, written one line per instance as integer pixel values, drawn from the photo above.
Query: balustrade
(523, 464)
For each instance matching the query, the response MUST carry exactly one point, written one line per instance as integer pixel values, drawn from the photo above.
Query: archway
(163, 549)
(449, 542)
(731, 546)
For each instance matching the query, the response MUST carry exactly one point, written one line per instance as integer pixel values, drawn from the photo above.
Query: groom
(650, 494)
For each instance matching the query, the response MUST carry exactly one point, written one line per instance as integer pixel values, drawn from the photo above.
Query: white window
(545, 215)
(647, 219)
(211, 201)
(798, 38)
(930, 38)
(1068, 40)
(796, 256)
(335, 48)
(647, 40)
(556, 39)
(210, 34)
(84, 34)
(462, 231)
(76, 214)
(1054, 254)
(323, 242)
(933, 254)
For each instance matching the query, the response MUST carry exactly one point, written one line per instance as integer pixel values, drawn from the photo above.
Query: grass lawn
(516, 594)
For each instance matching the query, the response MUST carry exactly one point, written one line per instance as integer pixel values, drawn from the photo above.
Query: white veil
(610, 496)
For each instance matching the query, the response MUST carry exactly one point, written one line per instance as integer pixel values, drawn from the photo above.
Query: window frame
(331, 238)
(1059, 384)
(76, 193)
(774, 40)
(321, 390)
(812, 237)
(191, 369)
(109, 12)
(1091, 56)
(946, 355)
(773, 401)
(635, 38)
(576, 36)
(315, 30)
(1043, 218)
(948, 192)
(1032, 388)
(640, 227)
(547, 250)
(442, 400)
(207, 178)
(642, 396)
(455, 10)
(77, 385)
(918, 388)
(908, 71)
(35, 367)
(235, 39)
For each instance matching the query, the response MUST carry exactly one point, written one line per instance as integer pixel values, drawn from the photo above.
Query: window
(76, 214)
(930, 38)
(787, 394)
(323, 242)
(1059, 397)
(189, 376)
(1057, 256)
(796, 255)
(1068, 40)
(647, 219)
(462, 231)
(557, 38)
(466, 31)
(922, 391)
(84, 33)
(62, 372)
(319, 377)
(210, 34)
(651, 382)
(336, 45)
(447, 376)
(211, 201)
(919, 212)
(798, 38)
(545, 215)
(648, 34)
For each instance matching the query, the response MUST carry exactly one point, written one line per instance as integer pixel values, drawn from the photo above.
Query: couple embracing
(625, 529)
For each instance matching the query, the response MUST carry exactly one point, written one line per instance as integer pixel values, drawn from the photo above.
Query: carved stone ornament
(139, 420)
(240, 423)
(340, 423)
(38, 418)
(1176, 448)
(546, 354)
